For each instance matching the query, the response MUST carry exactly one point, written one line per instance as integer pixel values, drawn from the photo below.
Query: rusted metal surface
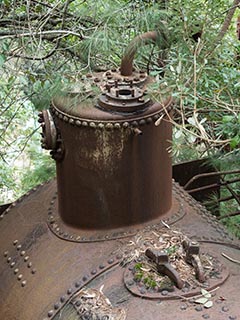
(77, 265)
(127, 60)
(110, 164)
(164, 267)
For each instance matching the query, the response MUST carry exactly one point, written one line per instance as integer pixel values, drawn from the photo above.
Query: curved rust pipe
(127, 59)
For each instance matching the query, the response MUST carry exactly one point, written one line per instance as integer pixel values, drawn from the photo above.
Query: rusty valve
(164, 267)
(192, 250)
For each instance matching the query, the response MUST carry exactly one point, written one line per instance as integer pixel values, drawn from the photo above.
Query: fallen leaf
(201, 300)
(208, 304)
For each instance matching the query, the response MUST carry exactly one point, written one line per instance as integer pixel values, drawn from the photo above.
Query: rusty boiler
(113, 237)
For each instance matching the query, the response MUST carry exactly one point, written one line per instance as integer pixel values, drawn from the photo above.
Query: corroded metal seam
(210, 219)
(107, 124)
(57, 227)
(81, 282)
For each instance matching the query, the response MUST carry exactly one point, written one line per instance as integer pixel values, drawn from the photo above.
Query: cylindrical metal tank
(113, 153)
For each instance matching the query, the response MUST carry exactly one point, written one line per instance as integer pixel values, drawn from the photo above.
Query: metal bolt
(15, 242)
(12, 264)
(20, 277)
(16, 271)
(22, 253)
(9, 259)
(19, 247)
(26, 258)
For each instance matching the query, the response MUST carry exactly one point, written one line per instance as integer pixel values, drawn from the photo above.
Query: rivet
(78, 303)
(92, 125)
(34, 271)
(62, 299)
(142, 122)
(100, 125)
(225, 309)
(110, 261)
(119, 256)
(22, 253)
(102, 266)
(19, 247)
(65, 119)
(109, 126)
(134, 124)
(71, 121)
(84, 123)
(50, 313)
(198, 308)
(15, 242)
(20, 277)
(117, 126)
(24, 282)
(16, 271)
(29, 264)
(155, 117)
(93, 272)
(26, 258)
(84, 278)
(125, 125)
(78, 123)
(9, 259)
(69, 291)
(60, 116)
(12, 264)
(56, 306)
(5, 254)
(78, 284)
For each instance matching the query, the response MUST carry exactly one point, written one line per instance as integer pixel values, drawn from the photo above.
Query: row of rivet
(55, 225)
(209, 218)
(79, 284)
(108, 125)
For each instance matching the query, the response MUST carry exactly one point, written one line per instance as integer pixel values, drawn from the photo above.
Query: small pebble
(164, 293)
(232, 318)
(205, 316)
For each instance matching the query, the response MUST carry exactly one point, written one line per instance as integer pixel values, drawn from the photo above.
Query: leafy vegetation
(47, 44)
